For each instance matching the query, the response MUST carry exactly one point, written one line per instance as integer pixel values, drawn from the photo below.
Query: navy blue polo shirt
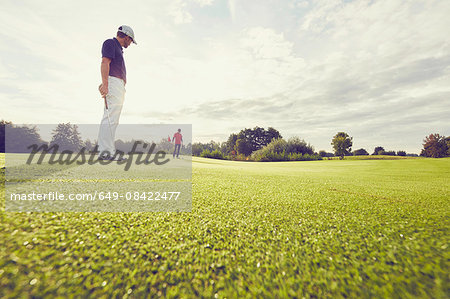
(113, 50)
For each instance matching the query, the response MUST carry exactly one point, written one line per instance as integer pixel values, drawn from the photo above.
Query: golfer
(177, 139)
(112, 89)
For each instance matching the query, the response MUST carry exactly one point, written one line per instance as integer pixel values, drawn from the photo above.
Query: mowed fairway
(356, 228)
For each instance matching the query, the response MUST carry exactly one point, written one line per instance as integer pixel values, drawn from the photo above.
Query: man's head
(179, 130)
(125, 36)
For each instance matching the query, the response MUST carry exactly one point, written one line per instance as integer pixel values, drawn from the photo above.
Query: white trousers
(108, 126)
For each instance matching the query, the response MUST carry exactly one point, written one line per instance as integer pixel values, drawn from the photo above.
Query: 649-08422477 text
(102, 196)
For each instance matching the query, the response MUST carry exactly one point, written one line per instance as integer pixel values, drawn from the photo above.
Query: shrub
(379, 150)
(280, 150)
(240, 157)
(205, 153)
(360, 152)
(297, 145)
(401, 153)
(216, 154)
(324, 154)
(303, 157)
(197, 149)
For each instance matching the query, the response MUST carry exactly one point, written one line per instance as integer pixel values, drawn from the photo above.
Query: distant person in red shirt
(178, 139)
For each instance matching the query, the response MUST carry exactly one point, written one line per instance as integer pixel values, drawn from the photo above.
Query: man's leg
(115, 99)
(175, 150)
(178, 151)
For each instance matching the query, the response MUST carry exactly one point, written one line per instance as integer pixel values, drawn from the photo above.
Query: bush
(274, 151)
(303, 157)
(360, 152)
(280, 150)
(299, 146)
(324, 154)
(389, 153)
(379, 150)
(216, 154)
(278, 146)
(239, 157)
(401, 153)
(197, 149)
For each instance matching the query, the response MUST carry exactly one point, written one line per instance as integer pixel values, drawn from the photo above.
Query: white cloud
(302, 4)
(232, 8)
(203, 2)
(253, 63)
(178, 11)
(264, 43)
(250, 63)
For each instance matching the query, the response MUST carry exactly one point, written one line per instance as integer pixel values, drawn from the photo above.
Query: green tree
(89, 145)
(324, 154)
(342, 144)
(389, 153)
(67, 137)
(434, 146)
(447, 140)
(243, 147)
(401, 153)
(379, 150)
(17, 139)
(3, 125)
(188, 149)
(231, 143)
(216, 154)
(254, 139)
(197, 149)
(270, 135)
(165, 145)
(360, 152)
(298, 146)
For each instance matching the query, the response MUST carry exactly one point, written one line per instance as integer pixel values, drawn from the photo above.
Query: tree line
(342, 144)
(67, 137)
(257, 144)
(434, 146)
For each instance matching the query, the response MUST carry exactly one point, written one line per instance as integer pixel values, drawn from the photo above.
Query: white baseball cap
(128, 31)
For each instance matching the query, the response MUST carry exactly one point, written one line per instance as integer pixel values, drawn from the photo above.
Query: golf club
(107, 113)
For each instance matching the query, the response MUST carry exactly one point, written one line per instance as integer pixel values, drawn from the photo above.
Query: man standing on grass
(177, 139)
(112, 89)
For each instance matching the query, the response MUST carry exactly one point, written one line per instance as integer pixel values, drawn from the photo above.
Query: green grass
(351, 228)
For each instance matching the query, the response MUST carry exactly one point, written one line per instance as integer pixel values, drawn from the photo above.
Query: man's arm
(104, 69)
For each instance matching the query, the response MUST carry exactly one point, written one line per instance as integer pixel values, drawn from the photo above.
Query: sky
(378, 70)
